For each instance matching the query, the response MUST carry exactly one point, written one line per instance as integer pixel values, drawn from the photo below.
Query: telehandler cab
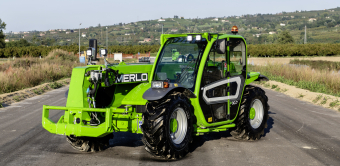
(205, 89)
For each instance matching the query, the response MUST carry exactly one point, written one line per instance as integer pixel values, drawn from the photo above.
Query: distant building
(312, 19)
(68, 32)
(127, 34)
(161, 20)
(272, 33)
(281, 24)
(68, 40)
(237, 17)
(175, 16)
(215, 19)
(147, 40)
(182, 17)
(225, 20)
(6, 40)
(174, 30)
(291, 16)
(83, 35)
(41, 34)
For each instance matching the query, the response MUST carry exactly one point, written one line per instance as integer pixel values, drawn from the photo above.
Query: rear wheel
(167, 127)
(89, 144)
(252, 118)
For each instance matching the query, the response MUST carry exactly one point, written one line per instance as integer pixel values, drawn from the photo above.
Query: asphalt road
(298, 133)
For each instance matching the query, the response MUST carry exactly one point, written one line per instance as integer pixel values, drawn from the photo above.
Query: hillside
(322, 27)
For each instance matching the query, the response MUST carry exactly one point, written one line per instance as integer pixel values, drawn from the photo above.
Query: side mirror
(220, 46)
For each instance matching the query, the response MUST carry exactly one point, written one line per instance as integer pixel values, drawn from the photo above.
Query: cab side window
(237, 53)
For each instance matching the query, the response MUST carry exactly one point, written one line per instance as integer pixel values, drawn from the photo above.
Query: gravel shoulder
(10, 98)
(320, 99)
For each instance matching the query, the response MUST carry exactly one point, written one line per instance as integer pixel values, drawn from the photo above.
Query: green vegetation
(260, 50)
(285, 38)
(274, 86)
(55, 85)
(334, 103)
(324, 100)
(17, 98)
(317, 98)
(280, 50)
(2, 36)
(36, 51)
(277, 89)
(319, 65)
(305, 78)
(28, 72)
(301, 95)
(322, 27)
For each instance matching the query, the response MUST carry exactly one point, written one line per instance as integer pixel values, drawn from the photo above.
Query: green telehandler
(169, 101)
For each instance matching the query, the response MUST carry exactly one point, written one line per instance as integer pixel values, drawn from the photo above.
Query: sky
(42, 15)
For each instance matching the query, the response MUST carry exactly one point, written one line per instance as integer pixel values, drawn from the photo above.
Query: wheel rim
(178, 125)
(256, 113)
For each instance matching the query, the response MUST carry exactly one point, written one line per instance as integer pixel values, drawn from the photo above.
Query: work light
(89, 52)
(198, 37)
(189, 38)
(103, 52)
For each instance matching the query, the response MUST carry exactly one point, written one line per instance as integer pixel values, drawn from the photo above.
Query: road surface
(298, 133)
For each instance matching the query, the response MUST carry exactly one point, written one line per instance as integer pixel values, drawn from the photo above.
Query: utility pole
(79, 39)
(162, 28)
(106, 39)
(305, 42)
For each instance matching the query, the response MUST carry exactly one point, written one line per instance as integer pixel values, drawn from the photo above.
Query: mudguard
(262, 78)
(156, 94)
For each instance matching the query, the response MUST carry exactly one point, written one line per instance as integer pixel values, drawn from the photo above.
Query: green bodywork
(121, 115)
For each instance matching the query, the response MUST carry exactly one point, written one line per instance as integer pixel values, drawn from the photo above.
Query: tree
(2, 36)
(285, 37)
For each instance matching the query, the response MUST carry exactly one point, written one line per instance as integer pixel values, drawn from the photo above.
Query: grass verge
(322, 81)
(29, 72)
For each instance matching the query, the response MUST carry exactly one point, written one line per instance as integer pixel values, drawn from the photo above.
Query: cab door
(222, 83)
(236, 70)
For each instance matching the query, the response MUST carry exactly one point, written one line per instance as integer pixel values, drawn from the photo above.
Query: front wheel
(252, 117)
(167, 127)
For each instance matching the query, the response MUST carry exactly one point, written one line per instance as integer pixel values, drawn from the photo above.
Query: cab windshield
(179, 60)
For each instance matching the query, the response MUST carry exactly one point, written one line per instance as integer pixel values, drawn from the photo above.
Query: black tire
(244, 129)
(156, 126)
(89, 144)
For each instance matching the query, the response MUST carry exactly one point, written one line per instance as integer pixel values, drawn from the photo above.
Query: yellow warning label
(176, 85)
(210, 119)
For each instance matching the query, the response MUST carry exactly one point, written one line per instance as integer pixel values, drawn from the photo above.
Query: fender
(262, 78)
(156, 94)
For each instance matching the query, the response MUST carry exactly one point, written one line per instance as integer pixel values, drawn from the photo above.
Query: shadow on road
(126, 139)
(200, 140)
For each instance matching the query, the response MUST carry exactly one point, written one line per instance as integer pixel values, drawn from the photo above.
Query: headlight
(159, 84)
